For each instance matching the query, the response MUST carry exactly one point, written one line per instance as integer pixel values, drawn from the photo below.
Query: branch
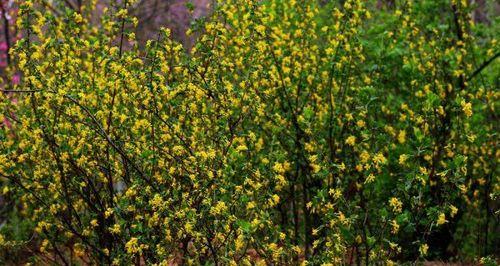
(49, 6)
(122, 32)
(102, 132)
(483, 66)
(20, 91)
(6, 31)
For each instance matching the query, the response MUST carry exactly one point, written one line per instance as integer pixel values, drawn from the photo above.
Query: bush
(292, 131)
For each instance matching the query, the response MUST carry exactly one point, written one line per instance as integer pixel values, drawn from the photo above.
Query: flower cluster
(291, 131)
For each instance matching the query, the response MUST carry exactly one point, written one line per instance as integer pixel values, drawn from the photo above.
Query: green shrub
(292, 131)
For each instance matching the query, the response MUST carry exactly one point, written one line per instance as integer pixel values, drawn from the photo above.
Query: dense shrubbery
(292, 131)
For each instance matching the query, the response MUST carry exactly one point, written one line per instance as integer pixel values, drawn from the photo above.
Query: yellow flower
(239, 242)
(396, 204)
(315, 168)
(467, 108)
(132, 245)
(250, 205)
(219, 208)
(395, 227)
(364, 157)
(94, 223)
(241, 148)
(423, 249)
(157, 201)
(379, 158)
(275, 199)
(453, 211)
(351, 140)
(108, 212)
(43, 246)
(402, 159)
(441, 219)
(360, 123)
(115, 229)
(78, 18)
(261, 29)
(79, 250)
(370, 178)
(278, 168)
(402, 136)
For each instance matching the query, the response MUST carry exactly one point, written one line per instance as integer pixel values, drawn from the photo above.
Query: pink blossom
(16, 79)
(3, 46)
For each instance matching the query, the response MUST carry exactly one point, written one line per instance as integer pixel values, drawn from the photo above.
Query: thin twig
(20, 91)
(483, 66)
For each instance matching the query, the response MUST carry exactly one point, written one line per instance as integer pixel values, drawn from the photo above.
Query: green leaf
(244, 225)
(432, 100)
(418, 133)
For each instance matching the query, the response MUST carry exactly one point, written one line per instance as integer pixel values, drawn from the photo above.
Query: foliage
(292, 131)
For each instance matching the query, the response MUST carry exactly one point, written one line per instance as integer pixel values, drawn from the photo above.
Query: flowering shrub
(292, 131)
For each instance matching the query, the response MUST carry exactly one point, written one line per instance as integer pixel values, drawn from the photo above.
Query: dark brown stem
(483, 66)
(6, 31)
(122, 31)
